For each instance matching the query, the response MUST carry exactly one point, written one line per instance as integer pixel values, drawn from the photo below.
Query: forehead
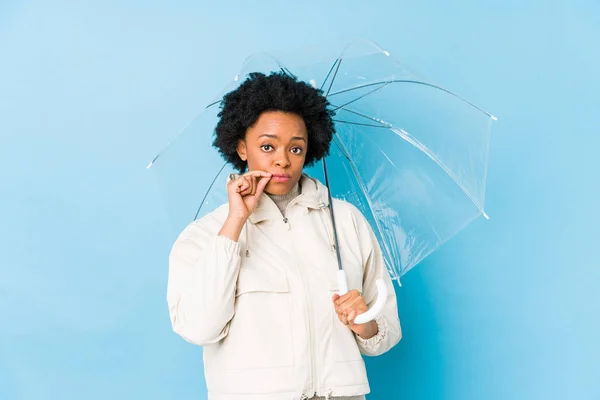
(284, 125)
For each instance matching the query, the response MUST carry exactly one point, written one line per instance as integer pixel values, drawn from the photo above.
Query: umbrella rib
(359, 124)
(178, 134)
(288, 72)
(337, 68)
(340, 144)
(420, 146)
(329, 73)
(364, 95)
(417, 83)
(208, 191)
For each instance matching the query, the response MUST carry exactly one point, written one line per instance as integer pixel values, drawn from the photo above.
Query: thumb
(335, 297)
(261, 185)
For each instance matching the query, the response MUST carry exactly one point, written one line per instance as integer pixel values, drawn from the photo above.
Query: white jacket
(262, 306)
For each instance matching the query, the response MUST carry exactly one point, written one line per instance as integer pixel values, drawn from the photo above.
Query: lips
(280, 178)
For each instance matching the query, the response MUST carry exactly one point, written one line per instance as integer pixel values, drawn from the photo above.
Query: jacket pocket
(260, 333)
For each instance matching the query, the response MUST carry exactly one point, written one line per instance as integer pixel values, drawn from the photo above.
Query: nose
(282, 160)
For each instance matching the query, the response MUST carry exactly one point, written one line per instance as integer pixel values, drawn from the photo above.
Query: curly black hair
(276, 92)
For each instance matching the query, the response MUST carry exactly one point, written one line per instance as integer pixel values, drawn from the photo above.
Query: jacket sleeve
(388, 322)
(203, 271)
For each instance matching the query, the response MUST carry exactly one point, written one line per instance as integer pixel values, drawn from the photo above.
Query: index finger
(341, 299)
(257, 173)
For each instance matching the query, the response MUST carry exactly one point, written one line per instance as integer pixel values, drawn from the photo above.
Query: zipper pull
(286, 222)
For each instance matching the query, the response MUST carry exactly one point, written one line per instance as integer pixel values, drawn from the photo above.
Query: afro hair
(278, 91)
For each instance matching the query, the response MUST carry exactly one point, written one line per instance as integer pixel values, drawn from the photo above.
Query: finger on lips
(245, 185)
(262, 184)
(253, 181)
(258, 174)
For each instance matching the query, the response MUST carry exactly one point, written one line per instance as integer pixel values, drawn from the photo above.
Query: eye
(266, 147)
(297, 150)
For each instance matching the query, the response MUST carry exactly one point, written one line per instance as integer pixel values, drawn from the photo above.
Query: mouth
(280, 178)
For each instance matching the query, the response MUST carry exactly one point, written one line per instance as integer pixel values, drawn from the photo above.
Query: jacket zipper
(311, 341)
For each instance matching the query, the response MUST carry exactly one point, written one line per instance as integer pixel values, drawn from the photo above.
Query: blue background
(90, 91)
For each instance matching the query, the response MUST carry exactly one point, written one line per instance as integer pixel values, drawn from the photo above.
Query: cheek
(256, 160)
(302, 160)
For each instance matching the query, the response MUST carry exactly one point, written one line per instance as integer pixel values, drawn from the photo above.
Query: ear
(241, 150)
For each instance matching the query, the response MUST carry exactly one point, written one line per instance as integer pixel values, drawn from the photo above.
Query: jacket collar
(314, 196)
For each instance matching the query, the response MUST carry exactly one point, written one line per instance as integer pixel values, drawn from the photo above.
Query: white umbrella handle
(376, 309)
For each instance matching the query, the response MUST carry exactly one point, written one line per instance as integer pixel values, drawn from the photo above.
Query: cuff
(375, 340)
(229, 245)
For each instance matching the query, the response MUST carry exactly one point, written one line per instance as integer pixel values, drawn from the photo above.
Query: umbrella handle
(376, 309)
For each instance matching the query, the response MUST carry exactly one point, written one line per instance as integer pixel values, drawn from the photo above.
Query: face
(276, 143)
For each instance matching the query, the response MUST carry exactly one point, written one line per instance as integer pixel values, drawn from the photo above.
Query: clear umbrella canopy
(409, 154)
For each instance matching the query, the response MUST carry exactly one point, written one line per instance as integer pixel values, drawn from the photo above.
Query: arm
(204, 267)
(388, 327)
(203, 271)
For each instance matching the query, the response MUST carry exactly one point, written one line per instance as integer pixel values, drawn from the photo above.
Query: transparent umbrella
(409, 154)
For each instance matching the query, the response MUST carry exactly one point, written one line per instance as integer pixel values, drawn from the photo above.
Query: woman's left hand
(348, 307)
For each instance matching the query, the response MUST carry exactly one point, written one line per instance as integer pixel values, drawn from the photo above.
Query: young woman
(255, 281)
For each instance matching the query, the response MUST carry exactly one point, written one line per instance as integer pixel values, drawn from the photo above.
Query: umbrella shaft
(335, 236)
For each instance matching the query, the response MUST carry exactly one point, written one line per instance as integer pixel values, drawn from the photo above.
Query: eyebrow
(277, 137)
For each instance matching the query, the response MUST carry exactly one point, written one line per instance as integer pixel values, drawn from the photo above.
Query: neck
(282, 201)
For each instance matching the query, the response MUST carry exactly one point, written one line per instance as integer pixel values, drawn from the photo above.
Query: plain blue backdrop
(90, 91)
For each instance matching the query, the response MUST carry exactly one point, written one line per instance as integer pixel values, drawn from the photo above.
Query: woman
(254, 282)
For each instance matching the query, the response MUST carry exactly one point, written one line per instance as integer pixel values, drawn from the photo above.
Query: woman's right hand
(244, 192)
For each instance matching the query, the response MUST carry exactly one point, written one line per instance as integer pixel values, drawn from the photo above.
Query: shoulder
(348, 212)
(342, 206)
(209, 224)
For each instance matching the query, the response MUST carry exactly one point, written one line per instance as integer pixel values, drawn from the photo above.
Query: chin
(278, 189)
